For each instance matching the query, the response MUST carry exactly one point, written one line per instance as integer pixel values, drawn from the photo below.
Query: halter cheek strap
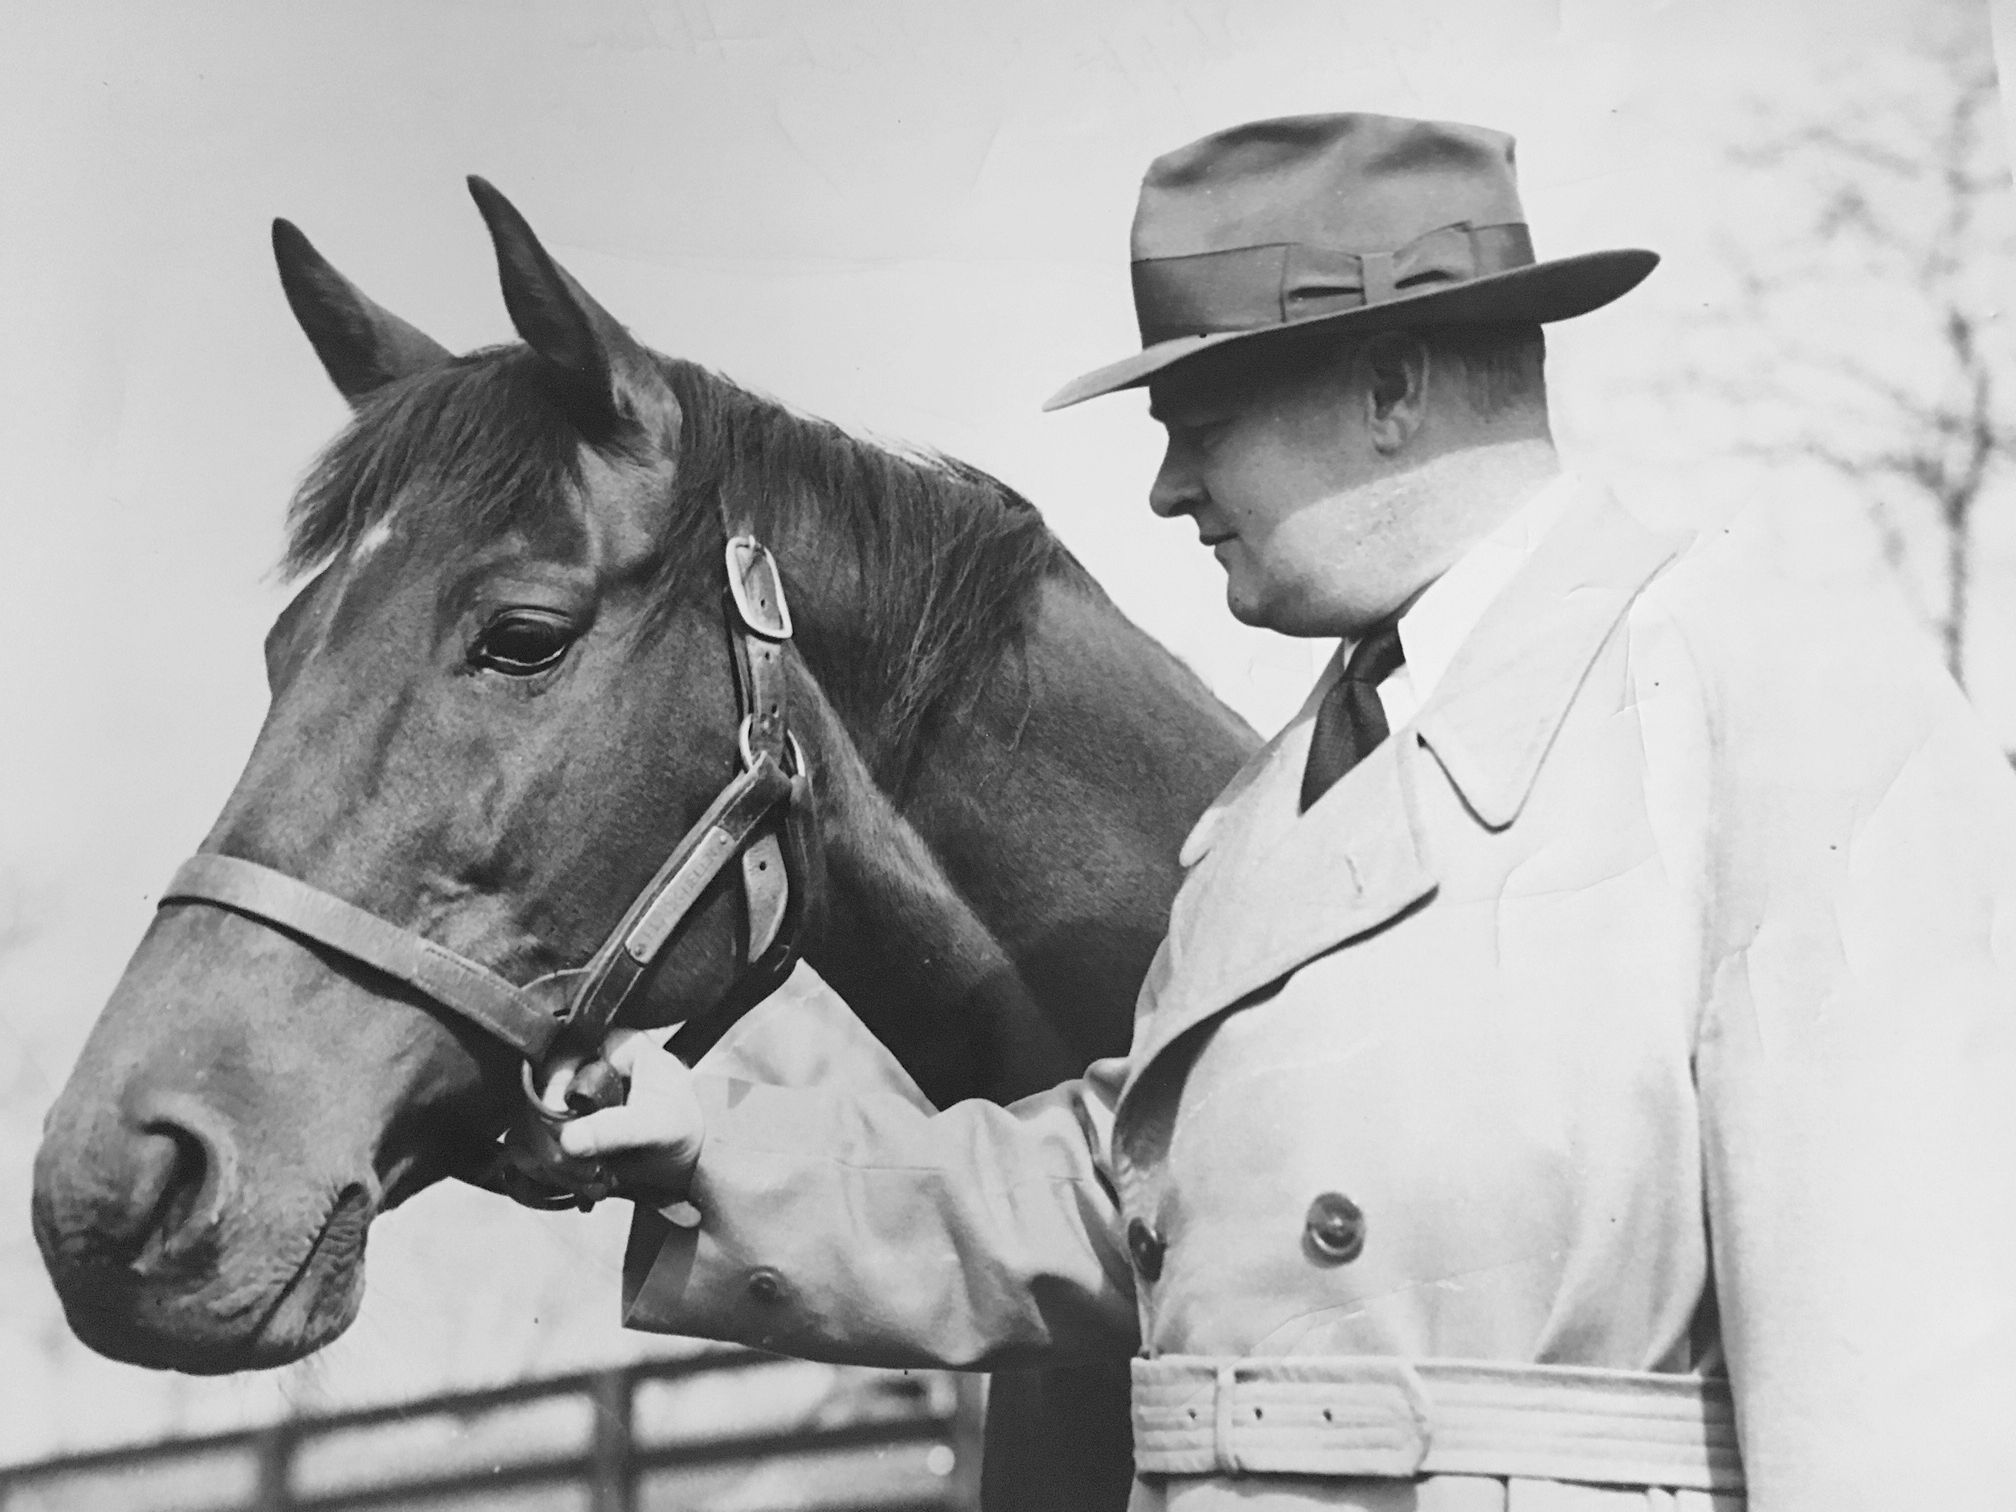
(722, 833)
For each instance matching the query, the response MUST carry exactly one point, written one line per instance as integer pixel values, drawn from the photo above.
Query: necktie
(1351, 721)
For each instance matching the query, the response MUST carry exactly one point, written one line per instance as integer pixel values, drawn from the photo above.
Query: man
(1578, 1074)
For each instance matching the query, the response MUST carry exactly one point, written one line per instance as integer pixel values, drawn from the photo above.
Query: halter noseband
(557, 1030)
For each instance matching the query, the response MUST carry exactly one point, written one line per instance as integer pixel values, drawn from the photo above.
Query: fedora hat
(1361, 221)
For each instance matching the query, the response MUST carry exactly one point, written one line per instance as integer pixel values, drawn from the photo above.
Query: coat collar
(1495, 714)
(1270, 888)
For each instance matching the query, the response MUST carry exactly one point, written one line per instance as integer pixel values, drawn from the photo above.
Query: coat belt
(1378, 1416)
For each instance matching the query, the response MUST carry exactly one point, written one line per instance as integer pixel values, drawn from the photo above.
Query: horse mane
(946, 559)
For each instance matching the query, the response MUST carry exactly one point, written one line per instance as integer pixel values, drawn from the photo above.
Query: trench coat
(1641, 1009)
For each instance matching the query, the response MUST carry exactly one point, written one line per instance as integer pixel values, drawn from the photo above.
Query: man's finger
(623, 1048)
(632, 1127)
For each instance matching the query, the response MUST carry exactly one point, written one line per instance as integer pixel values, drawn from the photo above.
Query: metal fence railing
(723, 1431)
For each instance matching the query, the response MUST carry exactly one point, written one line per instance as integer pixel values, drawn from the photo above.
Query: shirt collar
(1435, 626)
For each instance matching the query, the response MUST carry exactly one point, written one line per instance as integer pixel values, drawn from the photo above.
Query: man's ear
(1395, 366)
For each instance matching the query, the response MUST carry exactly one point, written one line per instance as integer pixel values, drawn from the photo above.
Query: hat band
(1280, 283)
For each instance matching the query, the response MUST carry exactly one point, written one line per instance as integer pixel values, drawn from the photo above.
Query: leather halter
(763, 818)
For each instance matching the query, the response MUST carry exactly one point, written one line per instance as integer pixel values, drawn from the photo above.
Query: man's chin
(1246, 606)
(1269, 614)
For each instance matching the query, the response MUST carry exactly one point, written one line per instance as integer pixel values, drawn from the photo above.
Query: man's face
(1275, 464)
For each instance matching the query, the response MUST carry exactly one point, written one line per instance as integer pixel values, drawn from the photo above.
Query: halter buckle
(757, 588)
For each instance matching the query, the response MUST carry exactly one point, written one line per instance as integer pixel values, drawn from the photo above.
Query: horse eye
(520, 642)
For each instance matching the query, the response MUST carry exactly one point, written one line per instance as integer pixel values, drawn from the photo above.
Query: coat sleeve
(1857, 1067)
(867, 1230)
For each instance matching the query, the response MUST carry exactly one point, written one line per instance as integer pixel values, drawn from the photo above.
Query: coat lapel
(1271, 888)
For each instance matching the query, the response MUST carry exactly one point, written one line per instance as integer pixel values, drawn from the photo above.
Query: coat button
(1334, 1231)
(1146, 1246)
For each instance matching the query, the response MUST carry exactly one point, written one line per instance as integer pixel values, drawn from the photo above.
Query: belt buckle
(1384, 1411)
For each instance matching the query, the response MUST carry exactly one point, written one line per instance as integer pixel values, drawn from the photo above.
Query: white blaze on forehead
(371, 540)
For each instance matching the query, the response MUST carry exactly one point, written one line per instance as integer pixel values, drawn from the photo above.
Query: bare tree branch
(1905, 194)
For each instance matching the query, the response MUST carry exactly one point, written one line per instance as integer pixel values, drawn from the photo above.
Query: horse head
(498, 703)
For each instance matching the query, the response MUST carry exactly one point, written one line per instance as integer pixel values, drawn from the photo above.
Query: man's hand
(652, 1142)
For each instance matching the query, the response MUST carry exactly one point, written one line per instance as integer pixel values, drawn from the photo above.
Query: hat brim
(1540, 292)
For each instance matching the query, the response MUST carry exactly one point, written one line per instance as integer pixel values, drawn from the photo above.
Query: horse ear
(562, 322)
(363, 346)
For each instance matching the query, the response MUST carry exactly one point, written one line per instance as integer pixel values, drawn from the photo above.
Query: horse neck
(992, 924)
(908, 953)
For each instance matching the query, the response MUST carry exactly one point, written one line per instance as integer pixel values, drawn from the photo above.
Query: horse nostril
(187, 1176)
(183, 1169)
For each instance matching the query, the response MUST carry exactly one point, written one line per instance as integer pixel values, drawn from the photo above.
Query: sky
(910, 217)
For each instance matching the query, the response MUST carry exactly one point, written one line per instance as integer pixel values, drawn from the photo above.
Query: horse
(501, 698)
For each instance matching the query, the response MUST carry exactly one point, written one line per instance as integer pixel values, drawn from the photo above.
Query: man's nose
(1175, 491)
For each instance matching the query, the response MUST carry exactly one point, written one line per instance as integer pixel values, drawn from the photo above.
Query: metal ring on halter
(535, 1169)
(558, 1115)
(790, 744)
(580, 1080)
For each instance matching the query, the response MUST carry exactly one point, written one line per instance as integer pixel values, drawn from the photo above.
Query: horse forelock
(484, 438)
(945, 559)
